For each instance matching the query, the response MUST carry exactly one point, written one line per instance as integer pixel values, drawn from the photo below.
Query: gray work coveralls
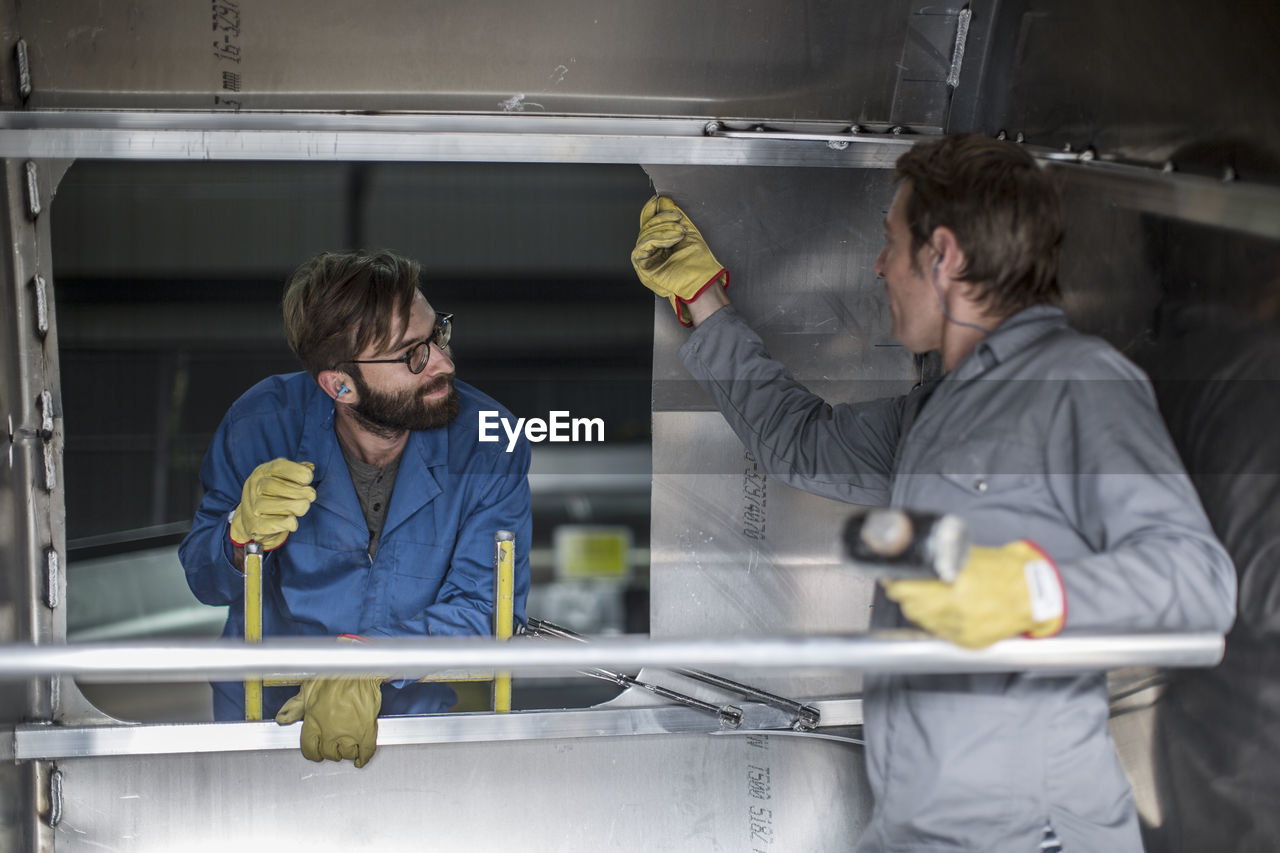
(1039, 433)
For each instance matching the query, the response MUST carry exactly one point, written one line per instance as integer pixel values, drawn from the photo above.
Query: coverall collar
(415, 484)
(1012, 336)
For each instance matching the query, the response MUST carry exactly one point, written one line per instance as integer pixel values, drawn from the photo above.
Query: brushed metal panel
(653, 793)
(780, 60)
(799, 245)
(733, 553)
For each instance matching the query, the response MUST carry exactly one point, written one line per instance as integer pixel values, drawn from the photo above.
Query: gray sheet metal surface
(733, 553)
(790, 60)
(1134, 78)
(668, 793)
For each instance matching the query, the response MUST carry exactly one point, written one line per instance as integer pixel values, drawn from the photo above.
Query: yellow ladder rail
(504, 561)
(253, 624)
(504, 555)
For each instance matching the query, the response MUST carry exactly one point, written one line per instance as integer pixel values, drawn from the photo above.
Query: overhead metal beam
(421, 138)
(1249, 208)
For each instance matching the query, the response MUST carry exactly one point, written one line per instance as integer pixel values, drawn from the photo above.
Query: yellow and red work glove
(339, 716)
(276, 493)
(671, 257)
(1000, 592)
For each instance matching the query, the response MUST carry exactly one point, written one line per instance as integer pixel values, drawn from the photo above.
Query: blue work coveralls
(433, 570)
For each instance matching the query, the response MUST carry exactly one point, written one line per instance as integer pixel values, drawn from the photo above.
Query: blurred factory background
(168, 284)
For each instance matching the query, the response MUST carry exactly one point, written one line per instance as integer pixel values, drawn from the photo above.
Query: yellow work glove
(671, 257)
(276, 493)
(1001, 592)
(339, 717)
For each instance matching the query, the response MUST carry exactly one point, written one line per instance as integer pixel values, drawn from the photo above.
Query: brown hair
(338, 303)
(1003, 208)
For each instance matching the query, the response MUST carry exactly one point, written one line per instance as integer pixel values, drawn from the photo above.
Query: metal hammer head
(902, 543)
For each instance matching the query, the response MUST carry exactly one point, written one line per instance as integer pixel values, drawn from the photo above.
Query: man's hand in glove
(276, 493)
(671, 257)
(339, 717)
(1001, 592)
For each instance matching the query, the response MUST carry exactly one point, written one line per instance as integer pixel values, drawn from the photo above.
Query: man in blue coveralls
(364, 481)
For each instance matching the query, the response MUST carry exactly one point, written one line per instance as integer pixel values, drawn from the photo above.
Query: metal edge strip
(43, 742)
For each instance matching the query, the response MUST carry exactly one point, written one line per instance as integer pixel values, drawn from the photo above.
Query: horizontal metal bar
(38, 742)
(840, 139)
(414, 137)
(411, 138)
(404, 657)
(1238, 206)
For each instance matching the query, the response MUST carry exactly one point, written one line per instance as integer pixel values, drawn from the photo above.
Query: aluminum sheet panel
(653, 793)
(775, 60)
(732, 552)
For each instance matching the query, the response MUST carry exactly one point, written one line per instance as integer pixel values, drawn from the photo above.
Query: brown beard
(388, 415)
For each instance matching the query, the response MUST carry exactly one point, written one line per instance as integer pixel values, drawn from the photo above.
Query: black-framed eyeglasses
(420, 353)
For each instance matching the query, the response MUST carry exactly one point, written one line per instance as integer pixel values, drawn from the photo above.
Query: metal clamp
(805, 717)
(837, 141)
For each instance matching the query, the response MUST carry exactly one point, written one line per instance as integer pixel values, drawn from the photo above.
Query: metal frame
(407, 137)
(35, 144)
(293, 136)
(32, 742)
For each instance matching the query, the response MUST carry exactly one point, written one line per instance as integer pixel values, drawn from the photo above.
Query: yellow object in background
(592, 552)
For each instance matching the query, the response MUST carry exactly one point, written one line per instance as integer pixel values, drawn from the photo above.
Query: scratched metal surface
(652, 793)
(733, 553)
(781, 60)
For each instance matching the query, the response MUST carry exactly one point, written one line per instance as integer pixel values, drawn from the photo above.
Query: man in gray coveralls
(1047, 442)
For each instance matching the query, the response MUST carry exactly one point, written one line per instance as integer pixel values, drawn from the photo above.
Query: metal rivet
(46, 415)
(51, 571)
(24, 69)
(42, 306)
(980, 485)
(50, 472)
(55, 798)
(33, 189)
